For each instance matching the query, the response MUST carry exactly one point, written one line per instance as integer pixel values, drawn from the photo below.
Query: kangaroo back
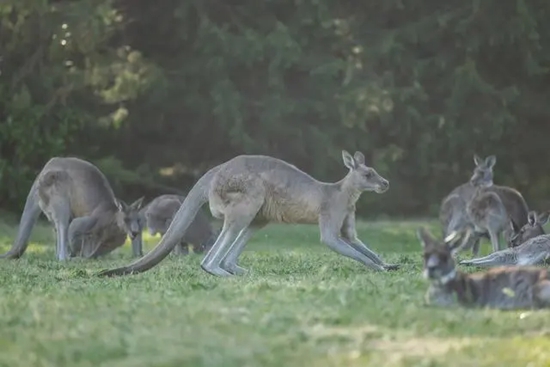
(31, 212)
(515, 204)
(177, 229)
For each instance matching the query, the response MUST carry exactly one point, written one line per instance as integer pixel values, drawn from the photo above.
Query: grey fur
(158, 214)
(492, 207)
(78, 200)
(535, 251)
(533, 228)
(250, 191)
(507, 288)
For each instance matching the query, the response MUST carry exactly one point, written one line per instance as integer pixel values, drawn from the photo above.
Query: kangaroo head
(362, 177)
(439, 264)
(483, 173)
(129, 218)
(533, 228)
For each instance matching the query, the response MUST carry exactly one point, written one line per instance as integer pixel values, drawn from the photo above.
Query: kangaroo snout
(383, 187)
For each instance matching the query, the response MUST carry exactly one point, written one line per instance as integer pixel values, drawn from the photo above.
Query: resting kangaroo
(502, 288)
(492, 207)
(158, 214)
(533, 228)
(530, 246)
(77, 198)
(250, 191)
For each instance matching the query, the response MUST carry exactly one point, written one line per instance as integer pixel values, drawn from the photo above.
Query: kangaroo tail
(31, 212)
(179, 225)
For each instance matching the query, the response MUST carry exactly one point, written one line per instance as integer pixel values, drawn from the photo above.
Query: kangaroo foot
(216, 270)
(235, 269)
(389, 267)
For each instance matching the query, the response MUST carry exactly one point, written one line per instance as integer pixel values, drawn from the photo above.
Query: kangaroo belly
(289, 211)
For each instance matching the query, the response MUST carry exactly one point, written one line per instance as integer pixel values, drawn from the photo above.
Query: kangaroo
(533, 228)
(158, 214)
(454, 217)
(250, 191)
(505, 288)
(535, 251)
(492, 207)
(529, 246)
(76, 197)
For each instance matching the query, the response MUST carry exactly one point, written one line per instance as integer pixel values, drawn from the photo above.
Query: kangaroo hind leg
(237, 219)
(229, 262)
(61, 215)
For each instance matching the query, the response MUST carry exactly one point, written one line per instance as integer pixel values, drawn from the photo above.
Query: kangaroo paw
(216, 270)
(389, 267)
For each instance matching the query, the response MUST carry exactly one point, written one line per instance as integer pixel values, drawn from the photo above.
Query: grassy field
(300, 305)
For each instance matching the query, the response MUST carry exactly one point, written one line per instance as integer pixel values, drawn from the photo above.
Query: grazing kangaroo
(250, 191)
(492, 207)
(77, 198)
(504, 288)
(158, 214)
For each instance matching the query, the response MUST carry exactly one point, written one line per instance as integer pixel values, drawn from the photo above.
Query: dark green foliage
(168, 89)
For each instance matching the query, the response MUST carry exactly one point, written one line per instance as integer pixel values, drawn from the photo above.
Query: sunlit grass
(300, 305)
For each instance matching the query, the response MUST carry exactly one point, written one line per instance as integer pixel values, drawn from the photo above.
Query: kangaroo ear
(543, 217)
(425, 237)
(121, 205)
(359, 158)
(349, 161)
(136, 205)
(490, 161)
(477, 160)
(532, 218)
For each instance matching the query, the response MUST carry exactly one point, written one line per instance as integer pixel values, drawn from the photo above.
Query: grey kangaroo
(77, 198)
(492, 207)
(533, 228)
(158, 214)
(250, 191)
(454, 217)
(504, 288)
(529, 246)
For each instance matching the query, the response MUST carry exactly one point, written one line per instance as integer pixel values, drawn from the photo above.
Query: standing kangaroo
(158, 214)
(504, 288)
(529, 246)
(77, 198)
(250, 191)
(492, 207)
(454, 217)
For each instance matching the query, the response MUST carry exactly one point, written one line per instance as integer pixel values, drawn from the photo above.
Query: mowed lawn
(300, 305)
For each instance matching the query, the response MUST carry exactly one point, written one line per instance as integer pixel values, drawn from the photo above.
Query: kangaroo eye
(369, 174)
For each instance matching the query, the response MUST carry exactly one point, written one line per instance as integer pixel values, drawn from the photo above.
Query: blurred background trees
(154, 93)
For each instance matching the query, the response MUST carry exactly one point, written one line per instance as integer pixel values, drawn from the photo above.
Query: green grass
(300, 305)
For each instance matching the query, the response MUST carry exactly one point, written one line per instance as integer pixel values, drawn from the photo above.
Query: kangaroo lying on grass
(158, 214)
(250, 191)
(533, 247)
(502, 288)
(77, 198)
(492, 207)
